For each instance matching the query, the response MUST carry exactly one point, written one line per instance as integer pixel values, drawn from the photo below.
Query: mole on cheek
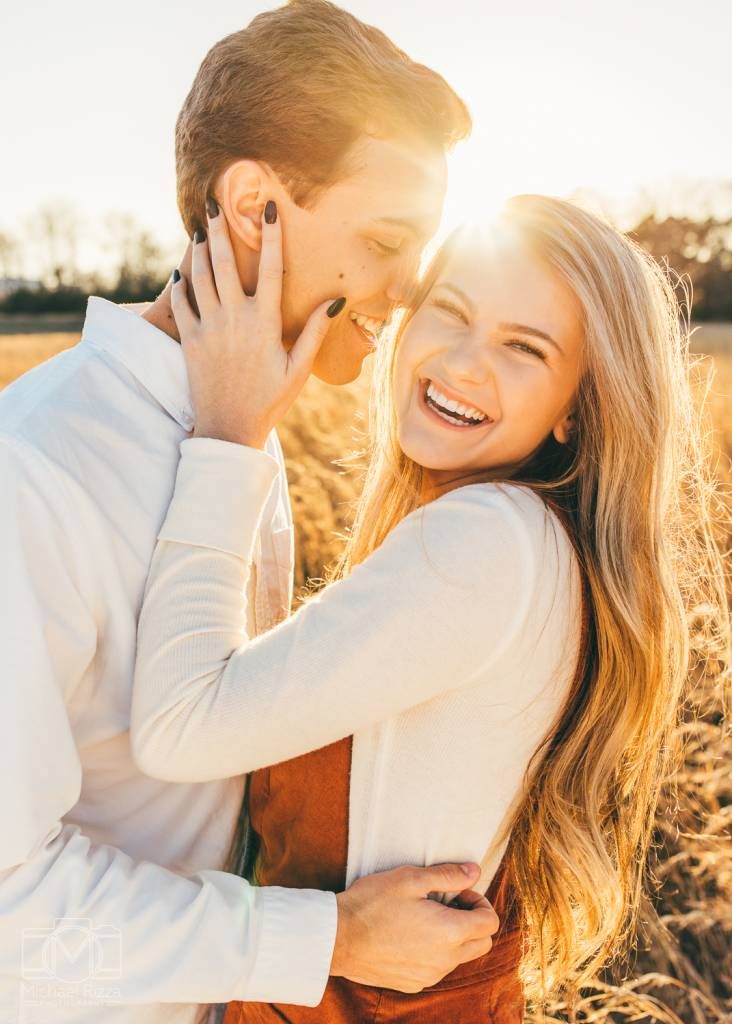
(340, 276)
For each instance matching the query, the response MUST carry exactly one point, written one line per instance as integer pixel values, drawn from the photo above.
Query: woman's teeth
(368, 324)
(452, 411)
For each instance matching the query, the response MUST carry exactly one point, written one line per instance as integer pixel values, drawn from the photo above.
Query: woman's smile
(439, 405)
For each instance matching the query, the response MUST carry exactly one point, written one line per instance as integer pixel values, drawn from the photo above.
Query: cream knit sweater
(447, 654)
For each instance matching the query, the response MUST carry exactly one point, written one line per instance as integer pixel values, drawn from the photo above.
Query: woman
(496, 672)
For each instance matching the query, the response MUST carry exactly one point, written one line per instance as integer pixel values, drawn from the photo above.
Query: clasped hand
(241, 376)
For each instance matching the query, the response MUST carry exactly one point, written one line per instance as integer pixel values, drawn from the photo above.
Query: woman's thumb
(307, 346)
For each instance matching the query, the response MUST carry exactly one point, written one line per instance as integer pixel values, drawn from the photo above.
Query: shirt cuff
(221, 490)
(295, 948)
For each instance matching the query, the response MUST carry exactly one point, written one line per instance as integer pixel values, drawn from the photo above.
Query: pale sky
(572, 93)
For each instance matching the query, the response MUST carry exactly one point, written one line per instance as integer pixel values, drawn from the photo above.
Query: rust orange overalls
(299, 812)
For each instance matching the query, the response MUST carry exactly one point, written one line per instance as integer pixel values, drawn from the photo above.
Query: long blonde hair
(641, 503)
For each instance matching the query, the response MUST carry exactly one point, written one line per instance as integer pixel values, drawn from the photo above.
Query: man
(113, 901)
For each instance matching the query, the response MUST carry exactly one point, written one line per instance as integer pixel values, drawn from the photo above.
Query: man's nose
(401, 282)
(398, 289)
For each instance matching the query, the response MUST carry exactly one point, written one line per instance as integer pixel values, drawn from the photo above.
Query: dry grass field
(683, 970)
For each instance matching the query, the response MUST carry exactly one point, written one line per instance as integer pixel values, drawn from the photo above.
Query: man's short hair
(295, 89)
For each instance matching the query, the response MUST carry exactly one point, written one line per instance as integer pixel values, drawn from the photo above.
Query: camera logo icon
(72, 951)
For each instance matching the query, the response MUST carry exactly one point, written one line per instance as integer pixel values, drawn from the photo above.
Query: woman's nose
(469, 360)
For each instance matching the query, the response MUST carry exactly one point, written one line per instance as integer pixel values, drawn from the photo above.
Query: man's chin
(338, 371)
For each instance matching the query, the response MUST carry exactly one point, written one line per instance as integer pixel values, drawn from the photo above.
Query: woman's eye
(450, 308)
(529, 348)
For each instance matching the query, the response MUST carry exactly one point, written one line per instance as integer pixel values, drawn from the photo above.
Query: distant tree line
(72, 298)
(137, 270)
(699, 248)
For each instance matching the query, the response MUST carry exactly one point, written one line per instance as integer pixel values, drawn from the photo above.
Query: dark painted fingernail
(335, 307)
(212, 207)
(270, 211)
(199, 236)
(176, 276)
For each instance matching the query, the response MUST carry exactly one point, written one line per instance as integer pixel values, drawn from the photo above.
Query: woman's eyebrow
(524, 329)
(458, 293)
(504, 325)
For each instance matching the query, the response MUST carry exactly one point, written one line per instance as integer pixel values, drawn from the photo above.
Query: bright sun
(531, 138)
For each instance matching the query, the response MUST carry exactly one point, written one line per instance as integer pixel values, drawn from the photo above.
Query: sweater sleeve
(164, 937)
(433, 608)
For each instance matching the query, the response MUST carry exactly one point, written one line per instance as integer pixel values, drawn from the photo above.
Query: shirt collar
(152, 357)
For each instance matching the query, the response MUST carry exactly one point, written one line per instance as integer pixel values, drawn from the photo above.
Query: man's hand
(392, 936)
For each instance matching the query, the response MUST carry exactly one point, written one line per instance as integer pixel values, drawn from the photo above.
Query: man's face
(362, 238)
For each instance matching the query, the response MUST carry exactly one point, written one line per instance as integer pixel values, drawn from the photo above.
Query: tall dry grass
(682, 972)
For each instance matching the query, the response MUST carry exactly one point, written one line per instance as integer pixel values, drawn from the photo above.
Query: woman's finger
(185, 319)
(269, 282)
(307, 346)
(221, 253)
(204, 286)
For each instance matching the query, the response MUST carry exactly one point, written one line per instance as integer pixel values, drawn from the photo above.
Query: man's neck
(160, 314)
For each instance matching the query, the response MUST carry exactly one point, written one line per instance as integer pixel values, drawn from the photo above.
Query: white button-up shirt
(111, 888)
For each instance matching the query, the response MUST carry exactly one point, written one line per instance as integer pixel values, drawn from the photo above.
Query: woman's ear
(241, 194)
(564, 430)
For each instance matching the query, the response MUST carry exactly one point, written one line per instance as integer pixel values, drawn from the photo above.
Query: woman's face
(488, 366)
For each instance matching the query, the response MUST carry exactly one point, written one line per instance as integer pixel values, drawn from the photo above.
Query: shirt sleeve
(433, 608)
(165, 937)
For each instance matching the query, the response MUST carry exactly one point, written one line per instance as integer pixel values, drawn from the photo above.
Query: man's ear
(564, 429)
(241, 192)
